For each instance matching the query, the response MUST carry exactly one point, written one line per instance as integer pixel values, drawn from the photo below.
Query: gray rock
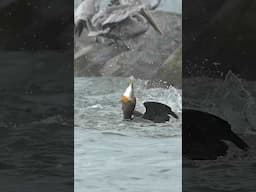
(144, 59)
(140, 64)
(171, 70)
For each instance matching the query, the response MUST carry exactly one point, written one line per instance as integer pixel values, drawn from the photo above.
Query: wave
(97, 106)
(230, 99)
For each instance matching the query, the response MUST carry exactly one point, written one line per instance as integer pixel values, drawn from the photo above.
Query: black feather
(158, 112)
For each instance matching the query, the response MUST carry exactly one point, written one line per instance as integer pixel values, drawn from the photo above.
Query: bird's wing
(85, 10)
(80, 12)
(155, 109)
(115, 14)
(98, 32)
(119, 15)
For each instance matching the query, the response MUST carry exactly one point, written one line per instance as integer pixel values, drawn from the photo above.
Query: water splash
(97, 106)
(118, 153)
(226, 98)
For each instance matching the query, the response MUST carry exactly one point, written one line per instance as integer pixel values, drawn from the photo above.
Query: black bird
(203, 135)
(155, 111)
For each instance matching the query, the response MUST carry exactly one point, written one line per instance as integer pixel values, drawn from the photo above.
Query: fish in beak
(128, 101)
(150, 19)
(128, 95)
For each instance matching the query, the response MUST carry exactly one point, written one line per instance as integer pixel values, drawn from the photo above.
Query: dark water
(36, 121)
(116, 155)
(233, 100)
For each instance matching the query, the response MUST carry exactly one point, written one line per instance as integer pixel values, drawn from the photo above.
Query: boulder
(171, 70)
(144, 57)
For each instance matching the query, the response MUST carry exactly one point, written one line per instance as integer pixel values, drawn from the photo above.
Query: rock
(145, 57)
(91, 63)
(171, 70)
(140, 64)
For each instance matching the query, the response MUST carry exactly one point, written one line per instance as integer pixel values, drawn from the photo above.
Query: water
(233, 100)
(36, 121)
(116, 155)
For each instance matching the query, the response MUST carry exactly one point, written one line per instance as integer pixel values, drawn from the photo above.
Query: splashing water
(227, 98)
(233, 100)
(97, 106)
(124, 155)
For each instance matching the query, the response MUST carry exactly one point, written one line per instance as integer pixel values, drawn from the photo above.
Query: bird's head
(128, 94)
(128, 100)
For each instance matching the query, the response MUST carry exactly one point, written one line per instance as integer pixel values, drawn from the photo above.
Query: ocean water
(116, 155)
(234, 100)
(36, 121)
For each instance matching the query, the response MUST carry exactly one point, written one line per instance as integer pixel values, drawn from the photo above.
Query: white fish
(128, 94)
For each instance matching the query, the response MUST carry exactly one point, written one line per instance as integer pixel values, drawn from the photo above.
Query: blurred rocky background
(150, 56)
(219, 36)
(33, 25)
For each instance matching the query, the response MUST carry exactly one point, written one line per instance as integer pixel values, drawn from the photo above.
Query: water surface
(116, 155)
(234, 100)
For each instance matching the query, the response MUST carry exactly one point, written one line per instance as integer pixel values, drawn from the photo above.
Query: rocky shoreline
(149, 56)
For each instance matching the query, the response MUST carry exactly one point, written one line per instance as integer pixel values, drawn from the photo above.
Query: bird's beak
(150, 19)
